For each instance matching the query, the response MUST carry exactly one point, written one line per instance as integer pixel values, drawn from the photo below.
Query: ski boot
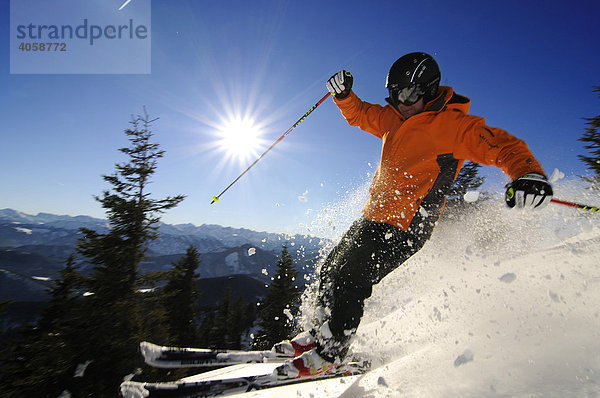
(310, 363)
(295, 347)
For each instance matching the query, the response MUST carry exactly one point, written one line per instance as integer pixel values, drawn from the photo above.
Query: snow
(556, 175)
(508, 277)
(81, 368)
(471, 196)
(500, 303)
(288, 314)
(232, 261)
(503, 306)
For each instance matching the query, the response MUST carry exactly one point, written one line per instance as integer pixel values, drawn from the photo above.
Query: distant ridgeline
(34, 248)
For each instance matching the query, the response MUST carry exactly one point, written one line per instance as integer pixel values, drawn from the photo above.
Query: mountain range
(34, 248)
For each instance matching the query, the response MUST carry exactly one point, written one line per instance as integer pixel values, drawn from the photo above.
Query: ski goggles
(407, 95)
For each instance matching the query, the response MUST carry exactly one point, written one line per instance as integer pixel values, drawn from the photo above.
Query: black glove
(340, 84)
(531, 190)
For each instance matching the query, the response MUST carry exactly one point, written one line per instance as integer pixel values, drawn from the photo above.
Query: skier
(427, 135)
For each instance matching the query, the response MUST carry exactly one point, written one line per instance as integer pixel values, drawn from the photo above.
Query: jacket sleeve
(372, 118)
(493, 146)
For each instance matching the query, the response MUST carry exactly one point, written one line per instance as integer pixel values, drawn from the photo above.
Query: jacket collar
(447, 97)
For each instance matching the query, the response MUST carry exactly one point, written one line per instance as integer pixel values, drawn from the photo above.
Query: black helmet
(411, 77)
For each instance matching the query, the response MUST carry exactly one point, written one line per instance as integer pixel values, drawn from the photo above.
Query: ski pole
(577, 205)
(216, 198)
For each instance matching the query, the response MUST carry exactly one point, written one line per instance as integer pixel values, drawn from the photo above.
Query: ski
(179, 357)
(229, 386)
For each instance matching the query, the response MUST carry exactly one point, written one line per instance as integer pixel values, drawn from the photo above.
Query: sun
(240, 138)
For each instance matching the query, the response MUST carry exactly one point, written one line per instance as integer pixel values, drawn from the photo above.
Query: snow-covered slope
(507, 305)
(501, 303)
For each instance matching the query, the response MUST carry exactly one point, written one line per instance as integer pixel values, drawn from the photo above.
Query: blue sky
(528, 67)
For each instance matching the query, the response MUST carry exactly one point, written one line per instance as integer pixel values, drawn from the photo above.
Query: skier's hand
(531, 190)
(340, 84)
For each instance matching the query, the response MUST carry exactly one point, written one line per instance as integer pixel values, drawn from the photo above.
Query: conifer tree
(225, 327)
(3, 305)
(180, 298)
(279, 305)
(218, 333)
(205, 331)
(43, 359)
(64, 299)
(113, 316)
(235, 324)
(85, 344)
(592, 139)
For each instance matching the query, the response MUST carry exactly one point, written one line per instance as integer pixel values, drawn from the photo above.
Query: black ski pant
(364, 256)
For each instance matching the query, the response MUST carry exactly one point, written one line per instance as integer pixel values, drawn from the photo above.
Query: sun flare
(240, 138)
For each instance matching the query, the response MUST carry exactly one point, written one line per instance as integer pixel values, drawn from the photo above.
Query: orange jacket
(421, 156)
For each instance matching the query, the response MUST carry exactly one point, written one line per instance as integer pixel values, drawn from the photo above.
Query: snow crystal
(465, 357)
(129, 377)
(251, 251)
(471, 196)
(555, 297)
(556, 175)
(508, 277)
(80, 371)
(325, 331)
(381, 381)
(349, 332)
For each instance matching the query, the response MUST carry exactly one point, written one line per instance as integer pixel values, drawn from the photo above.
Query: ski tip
(132, 389)
(150, 351)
